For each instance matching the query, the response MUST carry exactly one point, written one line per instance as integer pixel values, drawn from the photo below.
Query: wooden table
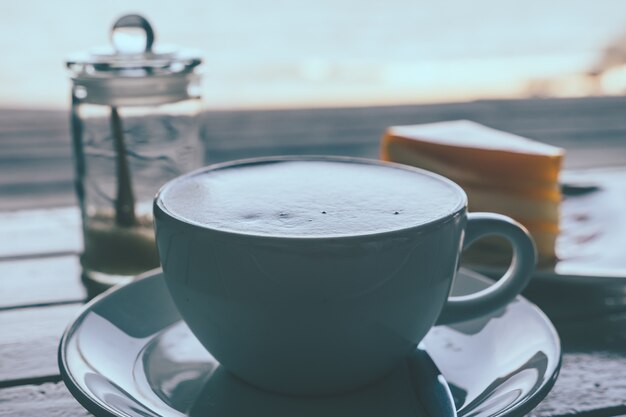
(40, 289)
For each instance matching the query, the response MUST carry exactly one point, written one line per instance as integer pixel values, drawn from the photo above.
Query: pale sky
(327, 52)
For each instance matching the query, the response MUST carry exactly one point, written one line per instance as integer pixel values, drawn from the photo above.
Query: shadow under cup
(309, 315)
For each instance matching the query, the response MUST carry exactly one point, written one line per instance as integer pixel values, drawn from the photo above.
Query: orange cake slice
(500, 172)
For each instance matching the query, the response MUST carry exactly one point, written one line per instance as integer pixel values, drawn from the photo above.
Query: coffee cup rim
(162, 213)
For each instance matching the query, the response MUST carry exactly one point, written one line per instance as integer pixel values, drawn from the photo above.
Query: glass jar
(134, 121)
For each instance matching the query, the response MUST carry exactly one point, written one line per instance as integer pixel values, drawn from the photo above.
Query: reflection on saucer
(181, 372)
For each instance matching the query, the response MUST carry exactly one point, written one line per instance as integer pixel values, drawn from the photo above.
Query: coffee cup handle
(459, 308)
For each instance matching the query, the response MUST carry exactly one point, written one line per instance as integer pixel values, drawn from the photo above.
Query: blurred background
(327, 76)
(281, 54)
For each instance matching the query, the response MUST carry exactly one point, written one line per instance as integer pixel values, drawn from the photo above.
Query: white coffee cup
(322, 313)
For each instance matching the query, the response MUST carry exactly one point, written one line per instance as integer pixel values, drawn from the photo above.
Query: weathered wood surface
(590, 380)
(36, 165)
(29, 341)
(48, 399)
(38, 233)
(592, 377)
(40, 281)
(590, 384)
(40, 289)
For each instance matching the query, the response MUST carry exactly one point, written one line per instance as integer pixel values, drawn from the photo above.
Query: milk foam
(310, 198)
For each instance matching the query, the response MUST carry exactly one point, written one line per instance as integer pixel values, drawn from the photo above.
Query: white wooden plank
(40, 281)
(29, 339)
(40, 232)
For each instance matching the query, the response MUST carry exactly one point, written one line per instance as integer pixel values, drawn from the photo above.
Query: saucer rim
(100, 409)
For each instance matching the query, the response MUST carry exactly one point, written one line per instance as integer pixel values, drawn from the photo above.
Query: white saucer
(129, 354)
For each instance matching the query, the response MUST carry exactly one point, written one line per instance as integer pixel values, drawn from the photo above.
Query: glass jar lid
(133, 68)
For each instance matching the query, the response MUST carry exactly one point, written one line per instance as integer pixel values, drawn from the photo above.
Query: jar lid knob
(132, 34)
